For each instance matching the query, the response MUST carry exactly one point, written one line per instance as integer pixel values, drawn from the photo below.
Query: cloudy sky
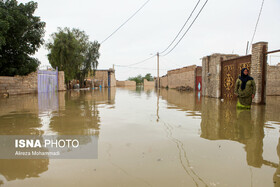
(224, 26)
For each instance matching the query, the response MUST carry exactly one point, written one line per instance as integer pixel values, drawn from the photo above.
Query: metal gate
(198, 83)
(47, 81)
(109, 79)
(230, 72)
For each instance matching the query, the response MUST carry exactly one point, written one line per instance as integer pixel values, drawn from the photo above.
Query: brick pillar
(61, 82)
(258, 70)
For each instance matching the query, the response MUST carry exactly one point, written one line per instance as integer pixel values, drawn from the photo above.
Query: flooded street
(174, 139)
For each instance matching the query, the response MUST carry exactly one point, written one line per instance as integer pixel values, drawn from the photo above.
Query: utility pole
(247, 47)
(157, 70)
(158, 87)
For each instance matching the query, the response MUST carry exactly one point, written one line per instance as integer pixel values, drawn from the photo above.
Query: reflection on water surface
(146, 138)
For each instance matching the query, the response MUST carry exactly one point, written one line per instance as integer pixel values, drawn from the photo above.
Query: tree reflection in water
(63, 113)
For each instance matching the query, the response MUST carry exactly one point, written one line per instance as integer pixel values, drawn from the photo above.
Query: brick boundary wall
(185, 76)
(25, 84)
(149, 83)
(19, 84)
(101, 78)
(61, 81)
(126, 83)
(163, 81)
(273, 80)
(258, 71)
(182, 77)
(211, 72)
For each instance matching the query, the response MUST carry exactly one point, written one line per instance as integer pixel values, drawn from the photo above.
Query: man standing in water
(245, 89)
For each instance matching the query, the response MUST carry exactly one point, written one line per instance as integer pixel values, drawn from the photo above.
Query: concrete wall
(149, 83)
(273, 80)
(126, 83)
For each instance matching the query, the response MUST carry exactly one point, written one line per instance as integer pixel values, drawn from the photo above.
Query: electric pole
(247, 47)
(157, 70)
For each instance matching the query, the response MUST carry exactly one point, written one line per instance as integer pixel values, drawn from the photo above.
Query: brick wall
(258, 71)
(101, 76)
(61, 81)
(126, 83)
(113, 80)
(211, 74)
(163, 81)
(273, 80)
(25, 84)
(182, 77)
(149, 83)
(19, 84)
(199, 71)
(185, 76)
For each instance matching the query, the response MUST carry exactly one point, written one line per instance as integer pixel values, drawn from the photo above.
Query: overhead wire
(180, 31)
(138, 67)
(142, 61)
(125, 22)
(187, 29)
(255, 30)
(181, 28)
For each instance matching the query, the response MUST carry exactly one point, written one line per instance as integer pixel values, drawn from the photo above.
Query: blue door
(109, 79)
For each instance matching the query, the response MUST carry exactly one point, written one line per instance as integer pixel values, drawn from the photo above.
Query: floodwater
(146, 139)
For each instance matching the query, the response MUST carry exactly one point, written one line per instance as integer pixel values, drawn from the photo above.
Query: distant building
(103, 78)
(189, 76)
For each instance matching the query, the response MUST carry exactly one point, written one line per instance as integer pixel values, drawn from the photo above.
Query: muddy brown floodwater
(146, 139)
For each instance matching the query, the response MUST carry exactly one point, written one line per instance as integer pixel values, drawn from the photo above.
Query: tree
(139, 79)
(91, 61)
(65, 53)
(90, 53)
(21, 34)
(149, 77)
(72, 52)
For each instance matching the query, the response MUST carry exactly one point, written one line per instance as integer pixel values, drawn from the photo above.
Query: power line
(138, 67)
(182, 27)
(257, 23)
(142, 61)
(187, 29)
(125, 22)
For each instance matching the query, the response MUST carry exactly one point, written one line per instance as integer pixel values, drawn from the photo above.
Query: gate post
(258, 70)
